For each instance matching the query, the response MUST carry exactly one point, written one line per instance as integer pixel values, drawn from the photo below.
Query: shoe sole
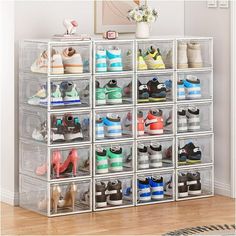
(195, 65)
(182, 66)
(157, 99)
(195, 192)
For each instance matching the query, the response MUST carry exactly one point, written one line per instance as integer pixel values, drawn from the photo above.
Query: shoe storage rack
(87, 142)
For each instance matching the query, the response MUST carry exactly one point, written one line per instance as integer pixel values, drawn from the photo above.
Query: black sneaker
(193, 178)
(114, 192)
(73, 126)
(182, 156)
(195, 189)
(157, 90)
(193, 153)
(182, 185)
(101, 199)
(143, 94)
(58, 129)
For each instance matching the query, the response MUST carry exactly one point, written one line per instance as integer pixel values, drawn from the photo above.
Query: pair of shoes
(153, 91)
(189, 55)
(149, 156)
(152, 124)
(109, 60)
(110, 159)
(69, 61)
(111, 127)
(58, 201)
(189, 184)
(151, 60)
(109, 194)
(150, 189)
(188, 120)
(189, 88)
(189, 154)
(109, 94)
(64, 94)
(68, 166)
(62, 129)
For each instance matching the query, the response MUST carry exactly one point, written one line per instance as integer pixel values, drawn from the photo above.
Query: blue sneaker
(180, 90)
(99, 128)
(157, 188)
(193, 87)
(101, 60)
(114, 59)
(144, 191)
(112, 126)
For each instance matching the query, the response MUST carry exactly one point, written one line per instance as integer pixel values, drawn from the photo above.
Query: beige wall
(215, 22)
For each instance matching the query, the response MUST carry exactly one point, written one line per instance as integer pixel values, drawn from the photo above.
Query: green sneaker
(113, 92)
(101, 161)
(71, 94)
(100, 95)
(115, 156)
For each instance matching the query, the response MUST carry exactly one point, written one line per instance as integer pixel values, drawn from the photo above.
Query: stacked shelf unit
(38, 177)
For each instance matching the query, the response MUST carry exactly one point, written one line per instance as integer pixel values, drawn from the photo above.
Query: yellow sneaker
(141, 63)
(154, 60)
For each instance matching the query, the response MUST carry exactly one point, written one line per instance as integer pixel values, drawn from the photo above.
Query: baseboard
(222, 189)
(9, 197)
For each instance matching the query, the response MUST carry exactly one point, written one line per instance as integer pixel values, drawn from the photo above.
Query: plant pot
(142, 30)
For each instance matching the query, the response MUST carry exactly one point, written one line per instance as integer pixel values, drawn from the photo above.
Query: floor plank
(152, 219)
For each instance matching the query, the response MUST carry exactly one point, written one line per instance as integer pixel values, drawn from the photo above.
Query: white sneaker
(182, 56)
(194, 55)
(72, 61)
(155, 155)
(41, 63)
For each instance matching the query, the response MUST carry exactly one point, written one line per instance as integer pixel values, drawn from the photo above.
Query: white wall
(215, 22)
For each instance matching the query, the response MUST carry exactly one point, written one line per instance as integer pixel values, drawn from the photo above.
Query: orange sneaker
(154, 122)
(140, 123)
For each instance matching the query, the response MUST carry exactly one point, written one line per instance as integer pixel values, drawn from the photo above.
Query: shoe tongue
(192, 78)
(155, 145)
(70, 51)
(115, 148)
(112, 83)
(140, 114)
(100, 149)
(114, 182)
(192, 108)
(156, 178)
(112, 116)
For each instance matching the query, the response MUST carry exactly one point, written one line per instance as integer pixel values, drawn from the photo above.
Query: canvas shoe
(193, 118)
(141, 63)
(101, 60)
(113, 92)
(58, 130)
(182, 56)
(114, 192)
(101, 198)
(140, 123)
(143, 158)
(41, 63)
(194, 55)
(99, 128)
(182, 125)
(143, 93)
(127, 124)
(144, 190)
(72, 61)
(180, 90)
(182, 185)
(112, 126)
(40, 134)
(182, 156)
(154, 122)
(101, 161)
(194, 153)
(192, 87)
(153, 59)
(157, 90)
(155, 155)
(157, 187)
(70, 93)
(194, 183)
(115, 156)
(73, 126)
(114, 59)
(100, 95)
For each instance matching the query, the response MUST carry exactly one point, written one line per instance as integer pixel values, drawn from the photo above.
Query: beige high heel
(69, 199)
(56, 193)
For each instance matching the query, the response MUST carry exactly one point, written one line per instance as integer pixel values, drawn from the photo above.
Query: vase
(142, 30)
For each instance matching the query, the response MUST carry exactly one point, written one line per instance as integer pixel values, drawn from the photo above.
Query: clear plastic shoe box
(55, 199)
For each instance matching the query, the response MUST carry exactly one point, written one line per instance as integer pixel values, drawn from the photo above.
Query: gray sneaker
(193, 118)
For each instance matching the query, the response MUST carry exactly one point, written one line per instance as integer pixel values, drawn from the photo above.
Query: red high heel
(72, 158)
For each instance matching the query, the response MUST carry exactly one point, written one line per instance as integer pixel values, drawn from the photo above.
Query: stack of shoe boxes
(106, 124)
(55, 127)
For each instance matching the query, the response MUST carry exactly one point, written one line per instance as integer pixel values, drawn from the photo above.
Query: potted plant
(143, 16)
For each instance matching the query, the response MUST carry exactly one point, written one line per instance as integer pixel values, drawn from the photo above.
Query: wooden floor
(152, 219)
